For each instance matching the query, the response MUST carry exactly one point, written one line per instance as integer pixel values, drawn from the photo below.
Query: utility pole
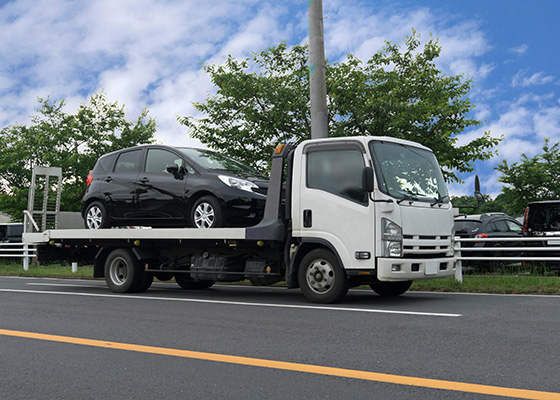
(317, 84)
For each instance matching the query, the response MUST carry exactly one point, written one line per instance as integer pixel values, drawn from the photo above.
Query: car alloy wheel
(204, 216)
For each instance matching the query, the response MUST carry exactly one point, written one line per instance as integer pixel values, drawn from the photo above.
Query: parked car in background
(542, 218)
(11, 232)
(491, 225)
(163, 186)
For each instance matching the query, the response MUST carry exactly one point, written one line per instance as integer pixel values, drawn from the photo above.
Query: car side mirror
(173, 169)
(367, 179)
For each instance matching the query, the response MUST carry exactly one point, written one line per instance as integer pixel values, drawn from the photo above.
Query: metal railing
(547, 244)
(18, 250)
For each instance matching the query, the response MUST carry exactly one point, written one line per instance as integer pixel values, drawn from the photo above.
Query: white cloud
(538, 78)
(520, 49)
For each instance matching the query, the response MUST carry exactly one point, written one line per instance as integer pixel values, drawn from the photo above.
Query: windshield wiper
(439, 200)
(408, 195)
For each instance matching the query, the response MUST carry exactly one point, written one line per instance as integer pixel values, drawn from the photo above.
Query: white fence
(18, 250)
(546, 244)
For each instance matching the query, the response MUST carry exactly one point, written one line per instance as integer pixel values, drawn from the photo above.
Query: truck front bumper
(406, 269)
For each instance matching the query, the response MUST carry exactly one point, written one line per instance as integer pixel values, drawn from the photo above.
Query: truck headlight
(391, 239)
(242, 184)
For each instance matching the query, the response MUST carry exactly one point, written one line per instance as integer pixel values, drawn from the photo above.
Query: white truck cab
(402, 229)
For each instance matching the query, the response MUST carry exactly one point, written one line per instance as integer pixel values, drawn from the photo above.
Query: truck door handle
(144, 180)
(108, 179)
(307, 218)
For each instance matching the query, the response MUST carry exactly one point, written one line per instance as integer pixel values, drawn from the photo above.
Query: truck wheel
(186, 282)
(390, 289)
(95, 216)
(163, 276)
(321, 277)
(124, 274)
(207, 213)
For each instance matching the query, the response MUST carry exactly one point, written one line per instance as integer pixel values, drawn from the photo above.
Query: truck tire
(96, 216)
(124, 273)
(390, 289)
(186, 282)
(207, 213)
(321, 277)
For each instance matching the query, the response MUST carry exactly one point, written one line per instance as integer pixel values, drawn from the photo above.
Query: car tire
(207, 213)
(96, 216)
(186, 282)
(390, 289)
(125, 274)
(321, 277)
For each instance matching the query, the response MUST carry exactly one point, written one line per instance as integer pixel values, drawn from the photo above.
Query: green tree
(264, 100)
(532, 178)
(499, 204)
(73, 142)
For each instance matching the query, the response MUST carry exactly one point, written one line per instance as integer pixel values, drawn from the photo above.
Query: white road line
(237, 303)
(63, 284)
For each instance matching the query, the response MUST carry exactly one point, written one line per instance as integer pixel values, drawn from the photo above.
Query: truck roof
(366, 139)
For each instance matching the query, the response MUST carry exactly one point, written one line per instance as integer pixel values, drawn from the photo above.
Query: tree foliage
(73, 142)
(264, 100)
(532, 178)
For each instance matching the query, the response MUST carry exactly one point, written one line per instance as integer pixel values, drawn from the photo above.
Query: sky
(148, 54)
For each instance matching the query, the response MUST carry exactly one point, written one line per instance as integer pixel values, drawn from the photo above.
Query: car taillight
(525, 218)
(481, 236)
(89, 178)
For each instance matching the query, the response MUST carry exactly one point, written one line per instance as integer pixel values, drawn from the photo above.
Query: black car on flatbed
(163, 186)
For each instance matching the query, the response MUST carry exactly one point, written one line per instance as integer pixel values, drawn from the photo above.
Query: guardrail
(18, 250)
(552, 244)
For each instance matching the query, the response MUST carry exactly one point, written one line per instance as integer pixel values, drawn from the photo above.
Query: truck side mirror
(477, 193)
(367, 179)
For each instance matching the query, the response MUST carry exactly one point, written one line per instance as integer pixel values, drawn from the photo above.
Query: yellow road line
(289, 366)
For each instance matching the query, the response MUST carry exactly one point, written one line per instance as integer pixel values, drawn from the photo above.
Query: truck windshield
(408, 173)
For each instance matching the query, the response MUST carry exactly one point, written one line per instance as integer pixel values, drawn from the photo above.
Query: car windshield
(216, 161)
(407, 172)
(466, 226)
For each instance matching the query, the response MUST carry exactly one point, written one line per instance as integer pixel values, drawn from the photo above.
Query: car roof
(551, 202)
(480, 217)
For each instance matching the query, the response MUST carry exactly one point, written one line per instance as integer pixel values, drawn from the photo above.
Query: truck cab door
(330, 205)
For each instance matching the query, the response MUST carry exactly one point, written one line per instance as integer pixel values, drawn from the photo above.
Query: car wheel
(95, 216)
(321, 277)
(207, 213)
(390, 289)
(186, 282)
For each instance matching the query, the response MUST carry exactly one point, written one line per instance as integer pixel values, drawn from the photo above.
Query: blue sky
(147, 53)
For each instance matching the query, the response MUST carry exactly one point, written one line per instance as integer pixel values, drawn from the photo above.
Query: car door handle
(144, 180)
(108, 179)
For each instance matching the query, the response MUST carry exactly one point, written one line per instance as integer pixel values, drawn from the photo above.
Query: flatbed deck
(82, 235)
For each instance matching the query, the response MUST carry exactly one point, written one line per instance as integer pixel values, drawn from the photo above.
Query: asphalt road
(489, 340)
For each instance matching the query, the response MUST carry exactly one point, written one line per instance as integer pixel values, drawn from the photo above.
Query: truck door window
(338, 172)
(158, 160)
(128, 161)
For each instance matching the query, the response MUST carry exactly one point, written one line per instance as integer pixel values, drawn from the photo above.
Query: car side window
(158, 160)
(514, 227)
(129, 161)
(501, 226)
(338, 172)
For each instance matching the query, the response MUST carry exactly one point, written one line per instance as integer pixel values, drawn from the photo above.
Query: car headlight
(391, 239)
(242, 184)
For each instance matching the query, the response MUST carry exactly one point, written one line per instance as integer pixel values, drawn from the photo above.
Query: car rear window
(544, 218)
(467, 226)
(105, 163)
(128, 161)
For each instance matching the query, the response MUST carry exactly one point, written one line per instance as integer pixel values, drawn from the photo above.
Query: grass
(510, 282)
(13, 268)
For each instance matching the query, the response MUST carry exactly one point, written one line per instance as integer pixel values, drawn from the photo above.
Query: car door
(161, 194)
(119, 189)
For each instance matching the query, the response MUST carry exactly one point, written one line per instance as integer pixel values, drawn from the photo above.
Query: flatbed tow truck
(340, 212)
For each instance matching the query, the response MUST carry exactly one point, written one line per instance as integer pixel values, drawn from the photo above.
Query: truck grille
(423, 246)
